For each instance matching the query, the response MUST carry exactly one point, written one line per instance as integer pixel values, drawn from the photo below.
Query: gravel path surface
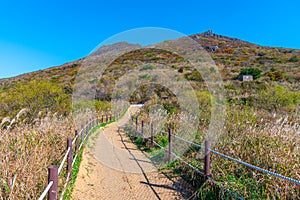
(113, 168)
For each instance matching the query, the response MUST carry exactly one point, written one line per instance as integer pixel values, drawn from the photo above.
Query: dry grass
(268, 141)
(27, 152)
(271, 143)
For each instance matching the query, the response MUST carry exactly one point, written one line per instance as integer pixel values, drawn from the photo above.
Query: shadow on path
(179, 186)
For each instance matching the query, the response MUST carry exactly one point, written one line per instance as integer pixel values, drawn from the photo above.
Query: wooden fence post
(106, 118)
(82, 133)
(70, 156)
(207, 160)
(90, 124)
(53, 176)
(143, 128)
(77, 140)
(170, 145)
(87, 128)
(102, 120)
(136, 125)
(152, 136)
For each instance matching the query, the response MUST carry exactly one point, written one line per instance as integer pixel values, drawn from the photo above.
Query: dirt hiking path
(113, 168)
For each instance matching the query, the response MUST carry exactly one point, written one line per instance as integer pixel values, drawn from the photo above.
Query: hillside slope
(230, 53)
(278, 66)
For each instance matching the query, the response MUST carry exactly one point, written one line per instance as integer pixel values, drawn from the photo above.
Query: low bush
(256, 73)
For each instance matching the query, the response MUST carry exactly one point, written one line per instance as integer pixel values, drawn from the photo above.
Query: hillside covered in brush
(234, 57)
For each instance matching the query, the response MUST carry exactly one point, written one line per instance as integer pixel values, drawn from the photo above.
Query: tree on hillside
(37, 97)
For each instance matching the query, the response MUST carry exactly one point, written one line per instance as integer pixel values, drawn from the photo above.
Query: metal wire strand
(188, 164)
(255, 167)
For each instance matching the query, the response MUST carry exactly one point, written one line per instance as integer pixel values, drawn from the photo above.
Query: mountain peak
(114, 48)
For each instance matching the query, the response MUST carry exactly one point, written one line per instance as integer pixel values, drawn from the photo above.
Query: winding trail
(113, 168)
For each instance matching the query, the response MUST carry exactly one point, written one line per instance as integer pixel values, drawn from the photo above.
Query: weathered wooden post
(207, 160)
(152, 136)
(82, 133)
(106, 118)
(91, 124)
(70, 156)
(53, 176)
(136, 125)
(170, 145)
(142, 129)
(102, 120)
(76, 141)
(87, 128)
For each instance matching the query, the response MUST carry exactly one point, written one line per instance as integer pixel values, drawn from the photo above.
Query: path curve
(113, 168)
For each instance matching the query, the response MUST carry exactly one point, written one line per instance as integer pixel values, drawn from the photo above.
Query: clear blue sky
(39, 34)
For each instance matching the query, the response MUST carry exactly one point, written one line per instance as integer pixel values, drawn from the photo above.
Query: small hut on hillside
(246, 78)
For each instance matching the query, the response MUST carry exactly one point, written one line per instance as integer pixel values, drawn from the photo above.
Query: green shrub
(293, 59)
(99, 106)
(149, 54)
(102, 106)
(278, 98)
(145, 76)
(194, 76)
(37, 97)
(146, 67)
(256, 73)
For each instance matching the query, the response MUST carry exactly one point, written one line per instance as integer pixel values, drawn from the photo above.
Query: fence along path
(52, 189)
(80, 137)
(140, 131)
(114, 168)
